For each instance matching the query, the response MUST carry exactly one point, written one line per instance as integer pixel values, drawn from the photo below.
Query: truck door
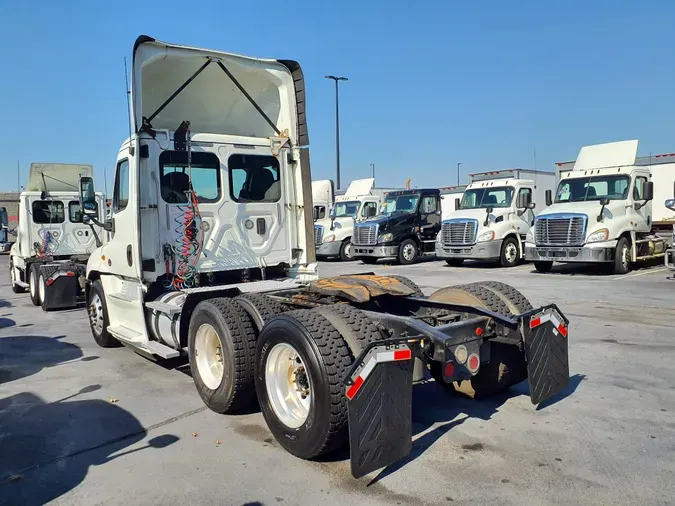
(430, 219)
(644, 212)
(526, 219)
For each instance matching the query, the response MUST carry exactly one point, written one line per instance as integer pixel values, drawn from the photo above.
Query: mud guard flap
(379, 394)
(546, 349)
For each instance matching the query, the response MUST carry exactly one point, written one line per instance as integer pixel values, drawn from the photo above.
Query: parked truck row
(219, 265)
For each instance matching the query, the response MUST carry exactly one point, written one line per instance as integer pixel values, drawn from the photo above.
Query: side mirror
(524, 200)
(88, 196)
(488, 212)
(457, 203)
(531, 205)
(315, 213)
(371, 211)
(670, 204)
(648, 191)
(604, 201)
(549, 199)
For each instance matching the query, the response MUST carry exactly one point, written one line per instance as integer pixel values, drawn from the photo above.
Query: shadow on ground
(22, 356)
(46, 449)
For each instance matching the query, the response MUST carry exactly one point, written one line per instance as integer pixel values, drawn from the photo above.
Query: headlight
(530, 236)
(329, 238)
(598, 235)
(386, 237)
(439, 239)
(486, 236)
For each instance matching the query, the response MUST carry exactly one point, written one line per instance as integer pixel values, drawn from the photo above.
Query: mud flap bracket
(379, 398)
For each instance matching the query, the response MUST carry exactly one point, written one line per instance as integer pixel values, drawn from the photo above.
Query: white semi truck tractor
(609, 208)
(211, 255)
(53, 237)
(493, 216)
(323, 195)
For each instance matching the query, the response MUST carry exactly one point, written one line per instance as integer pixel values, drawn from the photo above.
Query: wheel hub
(511, 253)
(288, 385)
(209, 356)
(96, 314)
(408, 252)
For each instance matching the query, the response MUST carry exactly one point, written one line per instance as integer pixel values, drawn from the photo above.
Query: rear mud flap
(379, 394)
(546, 349)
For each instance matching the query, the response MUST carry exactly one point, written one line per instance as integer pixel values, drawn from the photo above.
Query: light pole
(372, 166)
(337, 125)
(460, 163)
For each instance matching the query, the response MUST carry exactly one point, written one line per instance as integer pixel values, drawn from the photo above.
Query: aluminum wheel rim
(409, 252)
(96, 314)
(209, 356)
(511, 252)
(624, 256)
(288, 385)
(12, 278)
(348, 250)
(42, 288)
(31, 284)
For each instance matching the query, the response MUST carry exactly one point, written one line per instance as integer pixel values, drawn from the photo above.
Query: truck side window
(48, 211)
(174, 176)
(429, 204)
(366, 207)
(638, 191)
(254, 178)
(121, 192)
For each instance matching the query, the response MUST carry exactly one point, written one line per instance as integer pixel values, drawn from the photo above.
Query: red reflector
(473, 363)
(70, 274)
(402, 355)
(479, 331)
(535, 322)
(50, 281)
(449, 371)
(563, 330)
(354, 388)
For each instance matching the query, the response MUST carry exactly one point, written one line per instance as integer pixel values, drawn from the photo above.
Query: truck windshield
(399, 204)
(346, 209)
(579, 189)
(496, 196)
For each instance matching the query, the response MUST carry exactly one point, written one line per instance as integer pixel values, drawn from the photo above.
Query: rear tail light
(449, 370)
(473, 363)
(461, 354)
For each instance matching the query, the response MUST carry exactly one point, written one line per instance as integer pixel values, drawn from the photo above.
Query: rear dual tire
(33, 286)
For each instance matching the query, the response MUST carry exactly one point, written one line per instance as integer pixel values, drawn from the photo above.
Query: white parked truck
(334, 235)
(53, 239)
(493, 216)
(323, 195)
(608, 209)
(5, 243)
(211, 255)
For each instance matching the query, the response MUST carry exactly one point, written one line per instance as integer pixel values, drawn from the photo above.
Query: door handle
(129, 255)
(261, 226)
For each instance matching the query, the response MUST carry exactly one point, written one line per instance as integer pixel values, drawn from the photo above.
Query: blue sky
(431, 83)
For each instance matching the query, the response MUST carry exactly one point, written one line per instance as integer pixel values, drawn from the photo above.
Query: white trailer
(451, 197)
(609, 208)
(211, 245)
(333, 236)
(493, 217)
(54, 239)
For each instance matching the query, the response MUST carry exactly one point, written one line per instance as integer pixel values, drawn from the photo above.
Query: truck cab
(334, 234)
(405, 228)
(323, 195)
(493, 217)
(602, 211)
(5, 245)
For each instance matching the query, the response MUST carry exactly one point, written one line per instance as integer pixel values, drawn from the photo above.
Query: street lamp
(372, 166)
(337, 126)
(460, 163)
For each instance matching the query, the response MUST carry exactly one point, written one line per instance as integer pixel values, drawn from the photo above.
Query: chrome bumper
(601, 252)
(488, 250)
(375, 251)
(329, 249)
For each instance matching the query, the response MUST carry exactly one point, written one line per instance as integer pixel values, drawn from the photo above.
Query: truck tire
(507, 366)
(42, 291)
(346, 253)
(410, 284)
(319, 359)
(368, 260)
(622, 256)
(260, 308)
(543, 266)
(98, 317)
(454, 262)
(33, 284)
(408, 252)
(515, 300)
(221, 347)
(510, 253)
(12, 278)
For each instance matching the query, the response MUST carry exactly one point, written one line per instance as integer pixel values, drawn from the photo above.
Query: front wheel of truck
(98, 317)
(407, 252)
(510, 254)
(622, 256)
(12, 278)
(346, 252)
(543, 266)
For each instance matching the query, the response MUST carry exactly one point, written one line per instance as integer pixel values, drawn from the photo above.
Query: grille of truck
(459, 232)
(561, 230)
(365, 235)
(318, 234)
